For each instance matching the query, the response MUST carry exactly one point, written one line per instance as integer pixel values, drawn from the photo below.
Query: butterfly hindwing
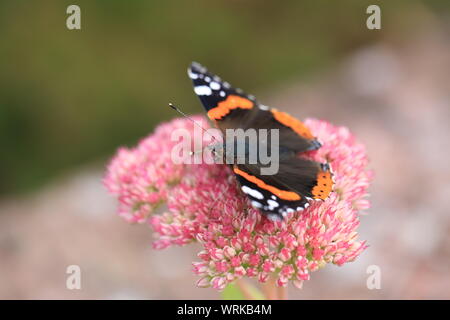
(297, 182)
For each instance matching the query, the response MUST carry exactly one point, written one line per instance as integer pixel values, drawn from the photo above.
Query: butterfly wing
(220, 100)
(231, 108)
(297, 182)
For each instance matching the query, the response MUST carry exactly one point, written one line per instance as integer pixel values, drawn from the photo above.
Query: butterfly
(298, 180)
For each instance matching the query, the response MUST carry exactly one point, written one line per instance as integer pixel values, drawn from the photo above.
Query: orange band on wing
(324, 185)
(231, 102)
(292, 123)
(285, 195)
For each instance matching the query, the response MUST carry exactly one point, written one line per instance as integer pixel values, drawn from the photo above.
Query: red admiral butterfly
(298, 180)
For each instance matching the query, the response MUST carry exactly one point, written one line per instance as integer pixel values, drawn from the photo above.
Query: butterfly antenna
(193, 121)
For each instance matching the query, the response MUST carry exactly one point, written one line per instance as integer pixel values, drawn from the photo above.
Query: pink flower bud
(254, 260)
(219, 283)
(235, 261)
(268, 266)
(252, 272)
(222, 266)
(263, 277)
(274, 241)
(318, 254)
(200, 268)
(240, 271)
(285, 254)
(298, 284)
(216, 254)
(236, 244)
(287, 271)
(204, 282)
(282, 281)
(229, 252)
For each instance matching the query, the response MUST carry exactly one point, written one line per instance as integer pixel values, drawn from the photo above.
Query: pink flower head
(141, 177)
(205, 205)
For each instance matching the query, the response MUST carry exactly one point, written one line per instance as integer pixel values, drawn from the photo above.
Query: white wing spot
(192, 75)
(263, 107)
(256, 204)
(252, 192)
(222, 93)
(203, 90)
(214, 85)
(272, 204)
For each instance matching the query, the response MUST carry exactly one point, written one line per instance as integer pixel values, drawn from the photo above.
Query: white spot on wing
(192, 75)
(272, 204)
(203, 90)
(252, 192)
(256, 204)
(214, 85)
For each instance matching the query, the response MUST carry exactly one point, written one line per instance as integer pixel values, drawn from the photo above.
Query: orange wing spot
(230, 103)
(291, 122)
(324, 185)
(285, 195)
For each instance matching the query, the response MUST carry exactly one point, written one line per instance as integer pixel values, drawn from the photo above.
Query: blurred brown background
(68, 99)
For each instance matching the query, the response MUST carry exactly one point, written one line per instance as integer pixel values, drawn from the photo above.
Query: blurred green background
(71, 97)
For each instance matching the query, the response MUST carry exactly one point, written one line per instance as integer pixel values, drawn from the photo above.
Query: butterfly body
(297, 180)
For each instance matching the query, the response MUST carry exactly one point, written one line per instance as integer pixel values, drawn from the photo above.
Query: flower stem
(243, 286)
(272, 291)
(269, 288)
(282, 293)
